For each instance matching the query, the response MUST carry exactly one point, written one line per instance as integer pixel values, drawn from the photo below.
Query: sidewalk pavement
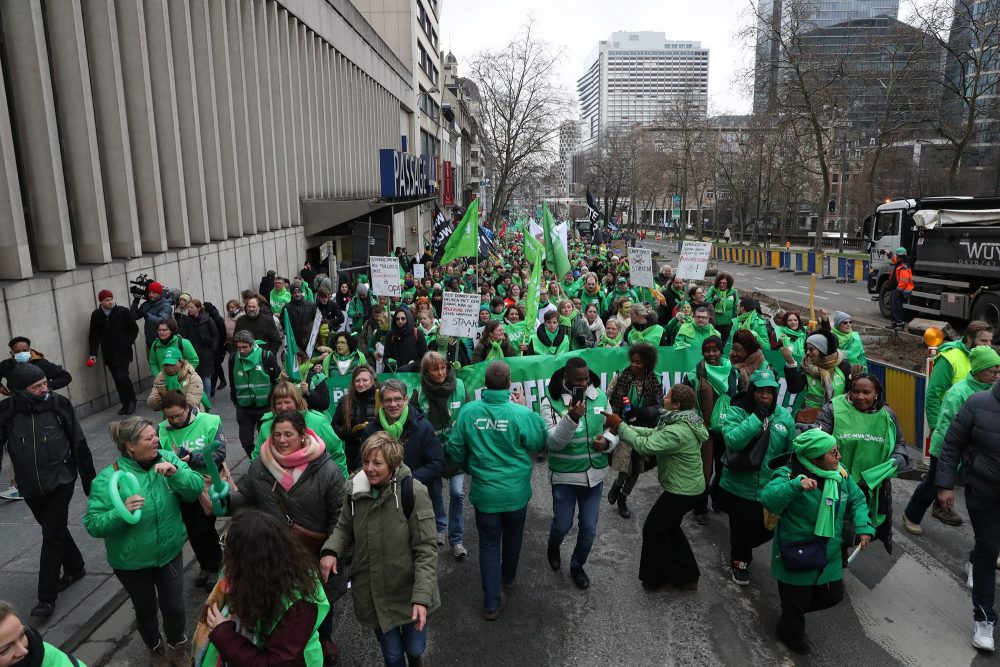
(85, 605)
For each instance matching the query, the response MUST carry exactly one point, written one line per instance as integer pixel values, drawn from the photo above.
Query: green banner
(533, 373)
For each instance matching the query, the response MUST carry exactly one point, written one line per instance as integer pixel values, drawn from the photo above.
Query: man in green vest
(253, 372)
(578, 459)
(279, 296)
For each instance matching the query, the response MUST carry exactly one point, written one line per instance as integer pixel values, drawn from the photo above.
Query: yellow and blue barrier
(843, 269)
(904, 393)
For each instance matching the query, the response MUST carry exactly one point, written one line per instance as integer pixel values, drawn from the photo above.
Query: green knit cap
(812, 444)
(983, 357)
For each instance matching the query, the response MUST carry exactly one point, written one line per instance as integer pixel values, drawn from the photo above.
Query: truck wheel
(883, 299)
(987, 309)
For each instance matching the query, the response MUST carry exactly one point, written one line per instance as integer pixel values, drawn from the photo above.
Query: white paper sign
(418, 271)
(460, 314)
(694, 260)
(314, 334)
(640, 264)
(385, 276)
(562, 233)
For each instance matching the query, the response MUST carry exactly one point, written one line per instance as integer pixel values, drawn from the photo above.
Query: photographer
(154, 309)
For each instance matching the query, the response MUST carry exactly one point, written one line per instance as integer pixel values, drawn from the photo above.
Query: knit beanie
(25, 375)
(983, 357)
(839, 318)
(820, 343)
(155, 288)
(813, 443)
(105, 294)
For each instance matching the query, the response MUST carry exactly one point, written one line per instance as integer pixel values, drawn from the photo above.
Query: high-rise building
(633, 77)
(807, 15)
(569, 142)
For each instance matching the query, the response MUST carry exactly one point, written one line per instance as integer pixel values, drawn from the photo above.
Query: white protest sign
(694, 260)
(459, 314)
(314, 333)
(640, 264)
(418, 271)
(385, 276)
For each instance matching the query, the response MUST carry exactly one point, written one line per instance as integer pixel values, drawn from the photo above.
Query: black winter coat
(204, 336)
(58, 376)
(406, 345)
(363, 412)
(220, 326)
(263, 329)
(46, 445)
(331, 312)
(301, 314)
(422, 451)
(971, 448)
(114, 334)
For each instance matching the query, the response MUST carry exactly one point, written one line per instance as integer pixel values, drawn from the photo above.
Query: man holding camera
(578, 459)
(154, 309)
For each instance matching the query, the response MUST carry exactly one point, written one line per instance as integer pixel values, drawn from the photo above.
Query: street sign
(675, 204)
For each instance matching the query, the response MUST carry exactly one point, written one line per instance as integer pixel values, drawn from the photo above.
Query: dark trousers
(500, 538)
(924, 495)
(724, 330)
(712, 487)
(666, 555)
(626, 480)
(59, 551)
(746, 526)
(896, 306)
(123, 383)
(202, 535)
(247, 419)
(144, 587)
(797, 601)
(983, 512)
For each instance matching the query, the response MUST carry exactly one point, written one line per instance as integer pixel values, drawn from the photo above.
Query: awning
(329, 217)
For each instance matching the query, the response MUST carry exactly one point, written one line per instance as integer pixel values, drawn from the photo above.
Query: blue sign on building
(406, 176)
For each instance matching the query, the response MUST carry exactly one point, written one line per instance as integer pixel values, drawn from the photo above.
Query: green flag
(555, 252)
(464, 241)
(291, 350)
(533, 251)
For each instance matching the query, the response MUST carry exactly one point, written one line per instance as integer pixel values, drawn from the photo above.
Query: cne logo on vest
(486, 424)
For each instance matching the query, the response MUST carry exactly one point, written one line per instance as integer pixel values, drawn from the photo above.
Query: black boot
(623, 507)
(614, 492)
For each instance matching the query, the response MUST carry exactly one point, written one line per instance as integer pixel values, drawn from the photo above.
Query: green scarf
(567, 320)
(396, 429)
(610, 342)
(496, 351)
(874, 477)
(826, 517)
(718, 376)
(171, 382)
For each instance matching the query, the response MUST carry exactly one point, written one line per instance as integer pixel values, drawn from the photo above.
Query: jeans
(247, 419)
(123, 382)
(401, 642)
(144, 586)
(206, 380)
(202, 535)
(924, 495)
(896, 306)
(454, 520)
(565, 499)
(500, 537)
(746, 526)
(666, 554)
(983, 512)
(59, 551)
(796, 601)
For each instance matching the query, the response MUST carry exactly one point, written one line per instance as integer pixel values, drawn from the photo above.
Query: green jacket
(395, 556)
(691, 335)
(159, 348)
(320, 424)
(740, 429)
(942, 379)
(677, 448)
(160, 534)
(785, 496)
(953, 401)
(278, 300)
(493, 439)
(53, 657)
(724, 302)
(852, 347)
(613, 296)
(752, 321)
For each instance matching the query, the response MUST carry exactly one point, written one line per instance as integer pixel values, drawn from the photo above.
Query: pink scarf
(287, 468)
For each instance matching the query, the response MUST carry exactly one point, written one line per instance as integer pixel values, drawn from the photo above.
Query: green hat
(171, 356)
(470, 271)
(763, 378)
(812, 444)
(983, 357)
(900, 250)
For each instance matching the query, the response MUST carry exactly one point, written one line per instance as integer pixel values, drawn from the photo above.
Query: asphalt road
(910, 608)
(852, 298)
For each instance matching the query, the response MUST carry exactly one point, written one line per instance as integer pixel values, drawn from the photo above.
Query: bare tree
(519, 113)
(611, 168)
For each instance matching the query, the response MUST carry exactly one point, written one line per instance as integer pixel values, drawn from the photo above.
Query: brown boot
(158, 655)
(415, 662)
(179, 655)
(330, 652)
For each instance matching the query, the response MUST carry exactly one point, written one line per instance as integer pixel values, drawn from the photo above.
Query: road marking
(778, 282)
(865, 300)
(829, 292)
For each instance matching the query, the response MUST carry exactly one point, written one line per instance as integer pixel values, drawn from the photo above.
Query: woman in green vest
(789, 332)
(137, 514)
(428, 326)
(825, 369)
(984, 370)
(22, 646)
(644, 328)
(724, 298)
(848, 339)
(494, 344)
(254, 619)
(516, 327)
(550, 338)
(812, 494)
(683, 316)
(755, 430)
(286, 396)
(345, 356)
(187, 432)
(872, 447)
(439, 397)
(167, 338)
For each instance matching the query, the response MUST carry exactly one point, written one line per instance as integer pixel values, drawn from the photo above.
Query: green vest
(959, 360)
(816, 393)
(313, 653)
(279, 300)
(194, 437)
(53, 657)
(651, 335)
(865, 439)
(253, 384)
(579, 455)
(541, 347)
(516, 332)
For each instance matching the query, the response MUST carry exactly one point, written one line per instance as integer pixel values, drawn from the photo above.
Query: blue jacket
(153, 312)
(422, 451)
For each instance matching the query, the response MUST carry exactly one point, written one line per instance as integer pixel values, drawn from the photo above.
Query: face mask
(233, 313)
(22, 357)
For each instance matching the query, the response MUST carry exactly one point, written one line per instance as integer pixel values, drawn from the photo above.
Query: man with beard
(262, 327)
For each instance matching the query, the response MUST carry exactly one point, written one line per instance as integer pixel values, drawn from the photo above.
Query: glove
(612, 421)
(86, 483)
(761, 413)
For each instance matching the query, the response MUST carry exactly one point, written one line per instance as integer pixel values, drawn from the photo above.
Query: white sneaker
(442, 539)
(459, 552)
(968, 575)
(11, 494)
(982, 638)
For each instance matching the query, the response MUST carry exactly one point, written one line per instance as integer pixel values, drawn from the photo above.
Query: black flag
(485, 241)
(595, 213)
(440, 231)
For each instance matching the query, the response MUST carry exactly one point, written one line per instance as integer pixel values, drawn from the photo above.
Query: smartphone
(579, 394)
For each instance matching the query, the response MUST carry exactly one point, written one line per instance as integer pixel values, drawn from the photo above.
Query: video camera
(140, 286)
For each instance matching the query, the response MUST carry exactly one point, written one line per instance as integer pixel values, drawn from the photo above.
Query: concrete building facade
(200, 141)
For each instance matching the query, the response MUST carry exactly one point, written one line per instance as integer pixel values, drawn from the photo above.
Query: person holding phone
(578, 446)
